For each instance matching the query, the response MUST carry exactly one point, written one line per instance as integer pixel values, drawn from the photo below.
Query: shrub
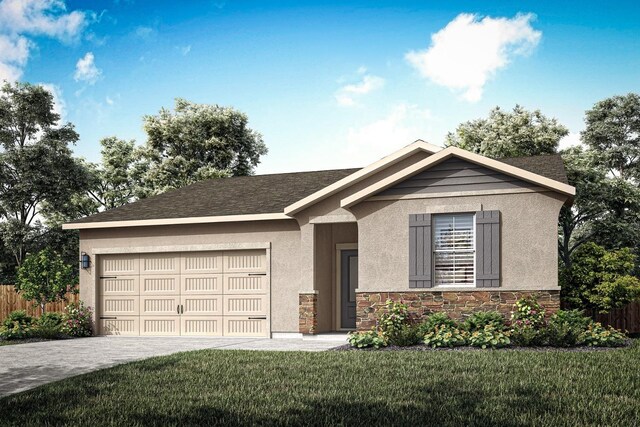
(566, 327)
(407, 335)
(17, 325)
(76, 321)
(393, 320)
(489, 337)
(446, 336)
(526, 335)
(600, 279)
(366, 339)
(436, 321)
(49, 325)
(480, 319)
(529, 312)
(597, 335)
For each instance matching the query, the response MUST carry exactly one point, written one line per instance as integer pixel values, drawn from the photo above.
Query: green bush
(76, 321)
(393, 321)
(526, 335)
(565, 328)
(489, 337)
(366, 339)
(18, 325)
(597, 335)
(528, 311)
(49, 325)
(436, 321)
(446, 336)
(478, 320)
(407, 335)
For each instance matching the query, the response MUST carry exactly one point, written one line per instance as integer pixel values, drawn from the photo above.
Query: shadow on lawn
(440, 404)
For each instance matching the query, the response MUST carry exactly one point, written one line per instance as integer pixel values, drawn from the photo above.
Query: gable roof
(278, 196)
(500, 166)
(385, 162)
(236, 196)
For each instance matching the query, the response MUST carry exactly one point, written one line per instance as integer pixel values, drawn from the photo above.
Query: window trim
(433, 251)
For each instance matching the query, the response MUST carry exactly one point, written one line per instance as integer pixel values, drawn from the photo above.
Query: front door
(348, 285)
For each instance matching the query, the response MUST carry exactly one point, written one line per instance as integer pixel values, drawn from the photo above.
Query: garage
(214, 293)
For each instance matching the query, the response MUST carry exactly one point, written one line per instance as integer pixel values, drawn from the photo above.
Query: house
(312, 252)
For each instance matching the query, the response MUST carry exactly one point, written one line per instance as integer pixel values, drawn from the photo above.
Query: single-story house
(311, 252)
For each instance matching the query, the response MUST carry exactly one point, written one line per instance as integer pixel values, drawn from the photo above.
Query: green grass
(352, 388)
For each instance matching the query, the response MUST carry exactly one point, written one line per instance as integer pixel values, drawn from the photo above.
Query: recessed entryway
(347, 283)
(213, 293)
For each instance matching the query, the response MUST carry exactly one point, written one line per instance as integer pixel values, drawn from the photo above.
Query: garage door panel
(201, 325)
(116, 305)
(245, 283)
(245, 305)
(202, 262)
(159, 305)
(243, 326)
(159, 325)
(201, 284)
(160, 285)
(120, 285)
(120, 325)
(245, 261)
(119, 265)
(194, 305)
(160, 263)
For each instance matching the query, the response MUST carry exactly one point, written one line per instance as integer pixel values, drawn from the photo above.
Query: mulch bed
(420, 347)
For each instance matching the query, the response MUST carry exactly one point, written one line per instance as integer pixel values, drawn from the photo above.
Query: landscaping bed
(422, 347)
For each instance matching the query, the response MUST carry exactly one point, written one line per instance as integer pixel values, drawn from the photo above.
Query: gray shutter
(488, 249)
(420, 251)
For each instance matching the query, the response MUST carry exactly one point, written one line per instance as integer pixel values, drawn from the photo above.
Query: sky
(328, 84)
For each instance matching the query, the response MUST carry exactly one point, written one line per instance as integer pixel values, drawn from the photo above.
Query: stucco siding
(528, 238)
(283, 236)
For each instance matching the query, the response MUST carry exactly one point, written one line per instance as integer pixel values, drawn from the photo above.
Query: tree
(37, 168)
(196, 142)
(509, 134)
(600, 279)
(612, 135)
(44, 277)
(613, 131)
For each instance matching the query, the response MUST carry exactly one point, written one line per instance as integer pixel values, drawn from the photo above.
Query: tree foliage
(509, 134)
(44, 277)
(196, 142)
(600, 279)
(37, 168)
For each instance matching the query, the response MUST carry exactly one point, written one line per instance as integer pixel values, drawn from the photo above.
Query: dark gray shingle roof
(260, 194)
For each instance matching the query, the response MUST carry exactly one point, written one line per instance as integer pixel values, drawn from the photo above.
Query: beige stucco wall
(284, 236)
(529, 233)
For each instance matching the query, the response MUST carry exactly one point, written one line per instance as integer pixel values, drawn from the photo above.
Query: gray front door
(348, 285)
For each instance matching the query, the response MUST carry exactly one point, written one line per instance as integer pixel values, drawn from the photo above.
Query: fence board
(626, 318)
(10, 300)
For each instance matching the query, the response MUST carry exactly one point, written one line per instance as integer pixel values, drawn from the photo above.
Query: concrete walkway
(24, 366)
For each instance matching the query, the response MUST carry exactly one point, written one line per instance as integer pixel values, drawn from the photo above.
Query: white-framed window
(454, 251)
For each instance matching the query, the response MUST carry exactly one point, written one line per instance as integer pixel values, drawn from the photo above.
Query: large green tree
(612, 135)
(196, 142)
(37, 168)
(519, 132)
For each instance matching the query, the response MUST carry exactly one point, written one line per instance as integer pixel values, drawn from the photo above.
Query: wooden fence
(626, 318)
(10, 300)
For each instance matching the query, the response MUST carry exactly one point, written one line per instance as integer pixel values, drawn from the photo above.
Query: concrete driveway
(24, 366)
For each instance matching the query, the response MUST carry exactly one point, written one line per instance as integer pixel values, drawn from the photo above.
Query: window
(454, 250)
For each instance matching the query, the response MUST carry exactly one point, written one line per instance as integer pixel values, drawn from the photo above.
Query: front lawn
(510, 388)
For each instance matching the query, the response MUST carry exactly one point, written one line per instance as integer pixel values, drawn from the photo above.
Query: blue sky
(328, 84)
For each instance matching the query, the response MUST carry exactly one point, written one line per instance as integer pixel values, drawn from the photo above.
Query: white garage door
(190, 293)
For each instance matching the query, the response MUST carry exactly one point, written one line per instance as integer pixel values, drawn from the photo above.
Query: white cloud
(184, 50)
(59, 105)
(466, 53)
(402, 125)
(144, 32)
(86, 69)
(22, 19)
(571, 140)
(347, 94)
(109, 101)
